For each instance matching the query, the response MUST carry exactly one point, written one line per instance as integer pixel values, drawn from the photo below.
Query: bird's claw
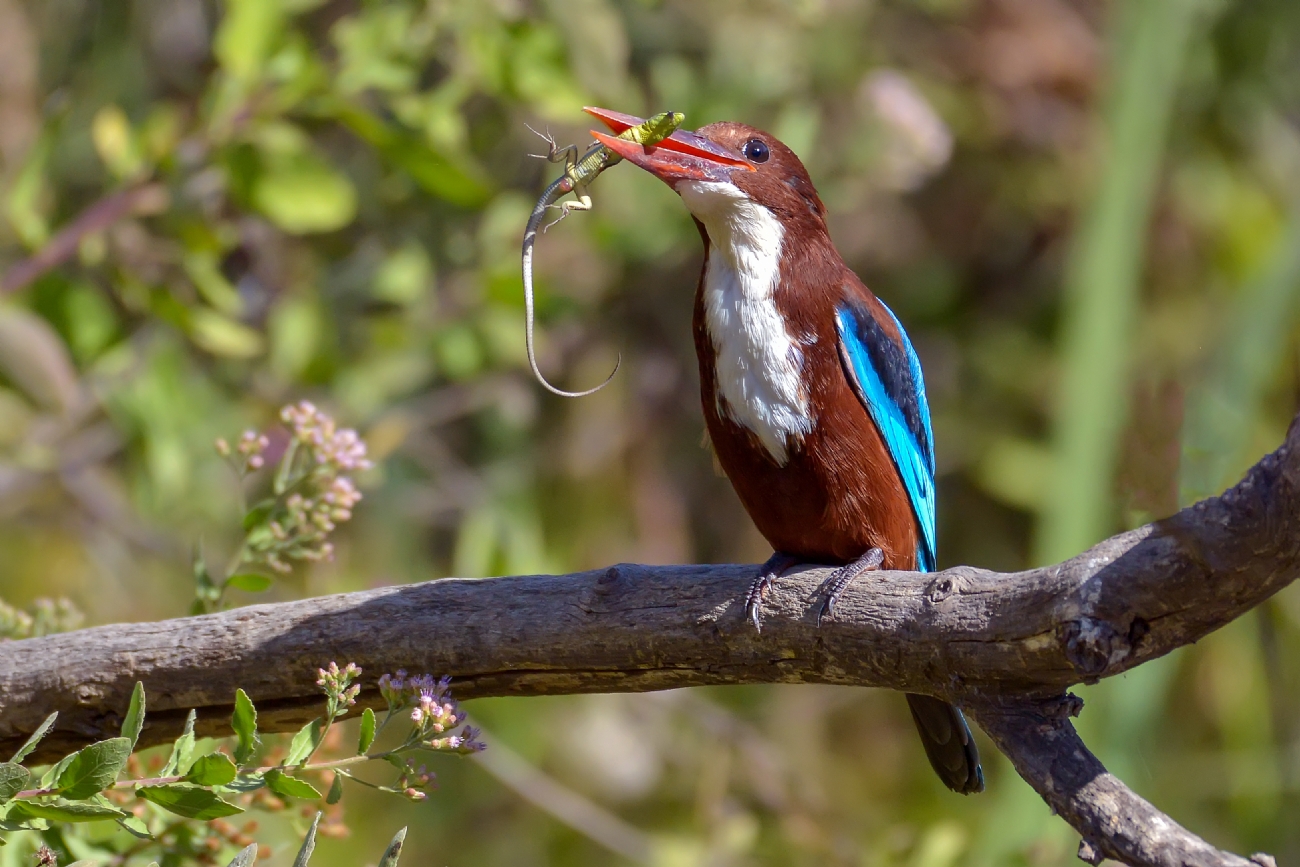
(767, 574)
(840, 578)
(754, 599)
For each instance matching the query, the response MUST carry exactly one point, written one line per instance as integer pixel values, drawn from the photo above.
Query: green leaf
(305, 194)
(250, 582)
(244, 722)
(247, 782)
(41, 731)
(13, 778)
(248, 33)
(367, 736)
(308, 844)
(48, 778)
(202, 579)
(305, 742)
(63, 811)
(136, 827)
(94, 768)
(394, 850)
(246, 856)
(223, 336)
(289, 787)
(453, 179)
(336, 790)
(214, 769)
(133, 722)
(182, 749)
(258, 514)
(188, 800)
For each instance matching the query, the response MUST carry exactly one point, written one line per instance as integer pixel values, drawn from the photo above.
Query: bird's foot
(840, 578)
(767, 573)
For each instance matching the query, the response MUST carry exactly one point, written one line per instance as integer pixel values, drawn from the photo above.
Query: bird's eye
(755, 150)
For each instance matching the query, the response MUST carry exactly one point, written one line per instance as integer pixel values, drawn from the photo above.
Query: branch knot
(940, 589)
(1093, 645)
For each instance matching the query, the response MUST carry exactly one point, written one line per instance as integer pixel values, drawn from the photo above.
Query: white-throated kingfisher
(812, 392)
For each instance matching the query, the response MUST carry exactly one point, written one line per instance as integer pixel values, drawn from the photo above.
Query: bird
(812, 393)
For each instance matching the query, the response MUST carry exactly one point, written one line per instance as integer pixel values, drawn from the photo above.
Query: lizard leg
(554, 153)
(583, 203)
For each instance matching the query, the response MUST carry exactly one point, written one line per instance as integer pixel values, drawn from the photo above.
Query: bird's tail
(948, 743)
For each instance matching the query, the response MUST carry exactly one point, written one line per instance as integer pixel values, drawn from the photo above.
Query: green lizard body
(579, 172)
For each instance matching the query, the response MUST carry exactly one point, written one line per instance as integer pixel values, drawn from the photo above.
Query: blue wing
(887, 379)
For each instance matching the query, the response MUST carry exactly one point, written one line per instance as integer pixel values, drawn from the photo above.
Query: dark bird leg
(767, 573)
(948, 743)
(840, 578)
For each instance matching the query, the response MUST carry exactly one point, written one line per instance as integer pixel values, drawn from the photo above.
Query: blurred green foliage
(1086, 219)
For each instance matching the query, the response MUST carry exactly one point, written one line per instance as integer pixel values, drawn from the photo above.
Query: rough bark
(1003, 645)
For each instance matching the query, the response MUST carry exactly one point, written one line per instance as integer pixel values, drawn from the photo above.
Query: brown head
(726, 168)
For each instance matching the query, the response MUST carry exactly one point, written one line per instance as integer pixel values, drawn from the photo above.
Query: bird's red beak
(682, 156)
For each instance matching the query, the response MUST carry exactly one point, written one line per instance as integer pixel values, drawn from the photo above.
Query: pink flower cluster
(337, 683)
(250, 447)
(313, 494)
(342, 448)
(414, 780)
(433, 710)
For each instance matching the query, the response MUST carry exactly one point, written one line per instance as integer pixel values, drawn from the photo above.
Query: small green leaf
(305, 742)
(258, 514)
(13, 778)
(367, 736)
(188, 800)
(247, 782)
(244, 722)
(289, 787)
(41, 731)
(250, 582)
(94, 768)
(182, 749)
(336, 790)
(133, 722)
(201, 576)
(48, 778)
(136, 827)
(305, 194)
(394, 850)
(246, 856)
(214, 769)
(222, 335)
(63, 811)
(308, 844)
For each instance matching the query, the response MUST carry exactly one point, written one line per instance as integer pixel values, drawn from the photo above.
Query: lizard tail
(553, 192)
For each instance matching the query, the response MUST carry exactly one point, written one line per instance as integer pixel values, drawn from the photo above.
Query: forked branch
(1005, 646)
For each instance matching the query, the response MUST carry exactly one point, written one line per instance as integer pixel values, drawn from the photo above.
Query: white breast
(759, 363)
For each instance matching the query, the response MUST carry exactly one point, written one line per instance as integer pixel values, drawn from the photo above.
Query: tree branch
(1000, 644)
(1114, 821)
(139, 199)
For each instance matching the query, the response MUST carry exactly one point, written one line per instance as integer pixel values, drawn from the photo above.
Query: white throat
(759, 363)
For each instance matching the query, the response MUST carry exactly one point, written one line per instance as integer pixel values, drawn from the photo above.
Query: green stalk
(1103, 274)
(1222, 414)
